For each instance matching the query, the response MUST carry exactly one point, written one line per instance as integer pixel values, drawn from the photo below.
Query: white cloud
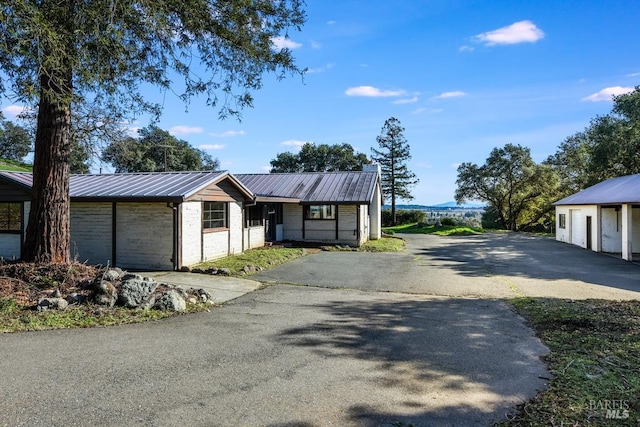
(227, 134)
(466, 48)
(406, 100)
(607, 93)
(282, 42)
(265, 168)
(419, 111)
(633, 75)
(14, 110)
(424, 165)
(518, 32)
(185, 130)
(296, 144)
(211, 146)
(455, 165)
(452, 94)
(372, 92)
(315, 44)
(332, 22)
(328, 66)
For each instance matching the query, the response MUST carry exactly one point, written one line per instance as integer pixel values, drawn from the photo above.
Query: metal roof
(624, 189)
(313, 187)
(143, 185)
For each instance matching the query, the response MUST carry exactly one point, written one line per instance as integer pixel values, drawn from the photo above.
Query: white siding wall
(10, 246)
(191, 213)
(215, 244)
(254, 237)
(144, 236)
(320, 230)
(574, 230)
(611, 230)
(562, 234)
(365, 221)
(348, 225)
(91, 239)
(292, 222)
(235, 228)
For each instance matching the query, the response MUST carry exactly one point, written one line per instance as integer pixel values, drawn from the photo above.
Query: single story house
(603, 218)
(168, 220)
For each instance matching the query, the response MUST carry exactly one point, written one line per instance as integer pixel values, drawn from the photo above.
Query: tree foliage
(95, 56)
(519, 192)
(609, 147)
(394, 152)
(319, 158)
(155, 150)
(15, 141)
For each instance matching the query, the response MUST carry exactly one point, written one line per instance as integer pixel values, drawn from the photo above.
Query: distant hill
(448, 205)
(11, 165)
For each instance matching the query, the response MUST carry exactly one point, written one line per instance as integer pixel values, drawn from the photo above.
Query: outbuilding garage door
(576, 227)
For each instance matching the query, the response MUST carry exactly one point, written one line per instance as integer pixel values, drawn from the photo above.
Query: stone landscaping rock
(137, 293)
(52, 303)
(112, 275)
(172, 300)
(128, 276)
(105, 293)
(74, 298)
(224, 272)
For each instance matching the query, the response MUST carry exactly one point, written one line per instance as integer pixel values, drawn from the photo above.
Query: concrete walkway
(222, 288)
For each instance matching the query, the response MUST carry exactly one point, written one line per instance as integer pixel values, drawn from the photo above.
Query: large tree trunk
(47, 238)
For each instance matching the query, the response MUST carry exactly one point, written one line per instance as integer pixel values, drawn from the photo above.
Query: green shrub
(448, 221)
(403, 216)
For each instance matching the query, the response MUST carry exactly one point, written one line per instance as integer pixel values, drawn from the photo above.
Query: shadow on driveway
(522, 255)
(454, 360)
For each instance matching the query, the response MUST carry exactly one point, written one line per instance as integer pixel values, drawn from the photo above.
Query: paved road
(488, 265)
(315, 356)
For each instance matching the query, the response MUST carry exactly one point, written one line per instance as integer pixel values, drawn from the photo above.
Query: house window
(10, 217)
(214, 215)
(254, 216)
(320, 212)
(562, 220)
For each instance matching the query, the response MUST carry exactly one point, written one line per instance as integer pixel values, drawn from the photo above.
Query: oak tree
(320, 158)
(70, 55)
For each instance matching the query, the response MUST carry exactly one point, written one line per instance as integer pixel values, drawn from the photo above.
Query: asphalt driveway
(371, 343)
(493, 265)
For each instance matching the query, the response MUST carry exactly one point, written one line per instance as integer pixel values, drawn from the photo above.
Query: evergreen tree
(394, 152)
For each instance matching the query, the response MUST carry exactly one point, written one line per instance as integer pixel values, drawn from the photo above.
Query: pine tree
(394, 152)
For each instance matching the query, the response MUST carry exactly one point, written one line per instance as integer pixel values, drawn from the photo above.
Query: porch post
(627, 229)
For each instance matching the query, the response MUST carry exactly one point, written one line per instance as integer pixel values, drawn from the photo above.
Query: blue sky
(462, 76)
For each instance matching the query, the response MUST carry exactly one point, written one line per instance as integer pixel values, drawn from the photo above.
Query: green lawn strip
(265, 258)
(385, 244)
(443, 230)
(14, 318)
(13, 166)
(594, 362)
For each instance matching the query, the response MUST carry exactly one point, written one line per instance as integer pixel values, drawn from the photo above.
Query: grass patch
(594, 360)
(443, 230)
(14, 318)
(11, 165)
(385, 244)
(262, 259)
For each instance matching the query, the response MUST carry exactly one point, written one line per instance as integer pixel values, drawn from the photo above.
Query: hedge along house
(603, 218)
(323, 207)
(140, 220)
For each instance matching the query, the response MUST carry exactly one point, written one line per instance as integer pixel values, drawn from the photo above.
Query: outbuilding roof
(624, 189)
(170, 186)
(313, 187)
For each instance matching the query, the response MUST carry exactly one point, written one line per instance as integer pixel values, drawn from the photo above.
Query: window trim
(225, 219)
(18, 221)
(562, 221)
(322, 210)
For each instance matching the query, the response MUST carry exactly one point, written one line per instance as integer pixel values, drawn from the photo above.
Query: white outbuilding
(603, 218)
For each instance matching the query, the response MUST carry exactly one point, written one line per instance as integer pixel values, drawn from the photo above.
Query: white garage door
(576, 227)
